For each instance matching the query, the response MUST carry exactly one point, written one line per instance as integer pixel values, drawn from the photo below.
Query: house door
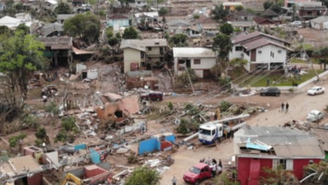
(254, 172)
(207, 74)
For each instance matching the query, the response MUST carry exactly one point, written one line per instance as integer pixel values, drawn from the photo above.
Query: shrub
(187, 126)
(170, 105)
(224, 105)
(13, 140)
(30, 121)
(41, 133)
(52, 108)
(192, 109)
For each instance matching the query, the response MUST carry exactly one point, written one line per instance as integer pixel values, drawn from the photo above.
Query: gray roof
(286, 142)
(64, 16)
(50, 28)
(178, 22)
(145, 42)
(320, 19)
(242, 23)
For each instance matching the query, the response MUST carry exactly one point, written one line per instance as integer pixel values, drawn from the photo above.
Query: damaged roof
(21, 165)
(286, 142)
(190, 52)
(57, 42)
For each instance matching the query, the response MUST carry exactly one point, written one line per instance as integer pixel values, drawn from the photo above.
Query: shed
(320, 23)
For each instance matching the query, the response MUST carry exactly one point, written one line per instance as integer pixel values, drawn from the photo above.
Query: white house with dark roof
(262, 51)
(144, 53)
(201, 60)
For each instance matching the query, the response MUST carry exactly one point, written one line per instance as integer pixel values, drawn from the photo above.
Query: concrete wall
(205, 64)
(131, 56)
(153, 144)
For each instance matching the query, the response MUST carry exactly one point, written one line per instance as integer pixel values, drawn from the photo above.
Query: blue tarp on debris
(95, 156)
(153, 144)
(79, 147)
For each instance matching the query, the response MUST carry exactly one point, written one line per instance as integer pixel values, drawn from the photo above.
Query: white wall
(315, 25)
(325, 25)
(265, 56)
(205, 64)
(235, 54)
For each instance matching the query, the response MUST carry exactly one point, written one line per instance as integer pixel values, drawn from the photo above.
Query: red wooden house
(258, 147)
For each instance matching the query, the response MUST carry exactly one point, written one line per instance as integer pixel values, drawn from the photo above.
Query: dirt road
(299, 106)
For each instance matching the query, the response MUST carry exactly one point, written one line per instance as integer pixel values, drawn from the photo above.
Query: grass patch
(276, 79)
(300, 61)
(306, 46)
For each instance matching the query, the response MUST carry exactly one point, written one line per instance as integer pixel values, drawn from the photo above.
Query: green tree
(322, 55)
(20, 56)
(267, 5)
(24, 28)
(219, 13)
(239, 8)
(4, 30)
(223, 179)
(222, 46)
(112, 41)
(162, 12)
(109, 32)
(85, 26)
(143, 176)
(226, 28)
(130, 33)
(63, 8)
(319, 173)
(179, 40)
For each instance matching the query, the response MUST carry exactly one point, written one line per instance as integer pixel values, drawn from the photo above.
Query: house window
(148, 48)
(279, 51)
(238, 48)
(272, 54)
(285, 164)
(259, 51)
(196, 61)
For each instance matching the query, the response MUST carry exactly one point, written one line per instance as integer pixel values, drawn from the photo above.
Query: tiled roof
(205, 20)
(242, 37)
(261, 20)
(118, 16)
(145, 42)
(269, 13)
(260, 42)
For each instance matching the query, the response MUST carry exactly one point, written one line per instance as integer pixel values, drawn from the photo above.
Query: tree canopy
(222, 46)
(21, 55)
(143, 176)
(322, 55)
(178, 40)
(226, 28)
(63, 8)
(219, 12)
(130, 33)
(84, 26)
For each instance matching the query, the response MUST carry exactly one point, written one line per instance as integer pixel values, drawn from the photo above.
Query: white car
(314, 115)
(316, 90)
(296, 23)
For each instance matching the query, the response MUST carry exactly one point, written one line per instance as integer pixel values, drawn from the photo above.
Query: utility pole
(192, 86)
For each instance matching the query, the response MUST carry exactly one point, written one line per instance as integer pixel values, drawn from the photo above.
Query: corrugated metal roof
(320, 19)
(260, 42)
(286, 142)
(195, 52)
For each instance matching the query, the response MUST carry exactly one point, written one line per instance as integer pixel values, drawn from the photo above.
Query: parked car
(153, 96)
(314, 116)
(296, 23)
(270, 91)
(316, 90)
(197, 173)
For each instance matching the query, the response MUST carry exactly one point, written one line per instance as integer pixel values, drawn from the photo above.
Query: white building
(262, 51)
(201, 60)
(320, 23)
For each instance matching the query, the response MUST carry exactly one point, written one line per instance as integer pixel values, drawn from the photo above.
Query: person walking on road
(282, 107)
(287, 106)
(174, 181)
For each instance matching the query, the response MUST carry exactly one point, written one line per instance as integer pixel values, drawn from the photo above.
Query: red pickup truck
(197, 173)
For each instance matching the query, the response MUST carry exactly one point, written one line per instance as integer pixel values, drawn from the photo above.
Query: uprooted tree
(20, 56)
